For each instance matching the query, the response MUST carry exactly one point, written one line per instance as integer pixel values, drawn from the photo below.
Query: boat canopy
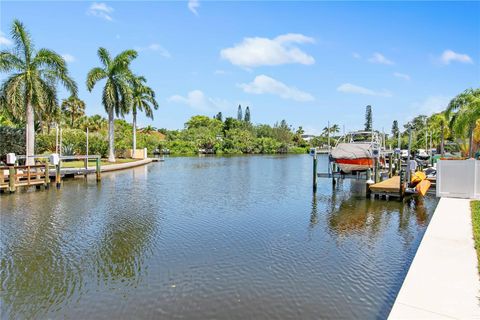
(352, 150)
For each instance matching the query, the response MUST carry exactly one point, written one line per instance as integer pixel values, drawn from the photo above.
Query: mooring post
(376, 171)
(315, 170)
(98, 169)
(11, 178)
(390, 165)
(402, 184)
(58, 176)
(47, 175)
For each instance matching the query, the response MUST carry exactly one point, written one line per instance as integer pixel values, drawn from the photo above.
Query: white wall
(458, 178)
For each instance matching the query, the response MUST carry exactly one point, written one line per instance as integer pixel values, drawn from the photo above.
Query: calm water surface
(196, 238)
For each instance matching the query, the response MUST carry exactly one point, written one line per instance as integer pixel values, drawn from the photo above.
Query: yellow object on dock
(391, 185)
(423, 187)
(418, 176)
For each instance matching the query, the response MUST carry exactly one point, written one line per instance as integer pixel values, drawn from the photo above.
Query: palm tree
(31, 88)
(467, 108)
(117, 94)
(335, 129)
(96, 123)
(73, 107)
(440, 121)
(143, 99)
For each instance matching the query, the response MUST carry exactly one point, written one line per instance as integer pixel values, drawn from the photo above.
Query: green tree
(467, 111)
(439, 122)
(395, 129)
(219, 116)
(368, 118)
(31, 90)
(143, 99)
(239, 113)
(73, 108)
(247, 114)
(117, 94)
(96, 123)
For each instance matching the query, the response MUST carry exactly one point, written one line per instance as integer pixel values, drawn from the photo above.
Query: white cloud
(449, 56)
(4, 41)
(68, 57)
(157, 48)
(220, 72)
(100, 10)
(264, 84)
(351, 88)
(254, 52)
(401, 75)
(380, 59)
(193, 5)
(356, 55)
(432, 104)
(196, 99)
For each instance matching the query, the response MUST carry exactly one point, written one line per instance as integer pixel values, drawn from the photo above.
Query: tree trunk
(111, 133)
(442, 141)
(30, 135)
(134, 133)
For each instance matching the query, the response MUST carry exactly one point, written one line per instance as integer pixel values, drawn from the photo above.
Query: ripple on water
(238, 237)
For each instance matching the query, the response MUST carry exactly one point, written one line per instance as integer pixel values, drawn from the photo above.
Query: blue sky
(306, 62)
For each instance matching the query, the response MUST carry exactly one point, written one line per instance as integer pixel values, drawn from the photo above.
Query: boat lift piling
(313, 153)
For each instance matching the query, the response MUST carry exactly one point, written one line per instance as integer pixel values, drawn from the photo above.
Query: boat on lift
(356, 151)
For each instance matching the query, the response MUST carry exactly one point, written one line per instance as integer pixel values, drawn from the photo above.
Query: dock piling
(390, 165)
(11, 178)
(58, 176)
(99, 176)
(47, 175)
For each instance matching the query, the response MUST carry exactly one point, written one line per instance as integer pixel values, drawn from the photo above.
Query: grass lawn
(476, 227)
(91, 163)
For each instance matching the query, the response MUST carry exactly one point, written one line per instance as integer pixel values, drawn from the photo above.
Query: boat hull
(358, 164)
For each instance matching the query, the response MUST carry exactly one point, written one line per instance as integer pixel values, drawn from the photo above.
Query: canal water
(211, 237)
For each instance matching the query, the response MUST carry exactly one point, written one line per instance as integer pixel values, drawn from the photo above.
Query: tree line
(29, 99)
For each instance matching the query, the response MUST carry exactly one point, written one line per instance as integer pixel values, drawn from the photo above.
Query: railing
(13, 176)
(24, 176)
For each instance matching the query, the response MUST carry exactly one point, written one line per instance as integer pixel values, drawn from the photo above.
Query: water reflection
(64, 250)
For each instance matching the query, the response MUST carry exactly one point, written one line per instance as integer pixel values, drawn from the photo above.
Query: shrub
(12, 140)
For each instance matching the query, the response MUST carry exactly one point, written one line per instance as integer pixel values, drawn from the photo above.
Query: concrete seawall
(126, 165)
(443, 280)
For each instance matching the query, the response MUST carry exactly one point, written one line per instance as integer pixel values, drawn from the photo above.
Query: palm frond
(10, 62)
(95, 75)
(22, 39)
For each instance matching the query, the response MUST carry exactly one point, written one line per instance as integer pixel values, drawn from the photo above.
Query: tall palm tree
(467, 108)
(117, 94)
(73, 107)
(31, 88)
(143, 99)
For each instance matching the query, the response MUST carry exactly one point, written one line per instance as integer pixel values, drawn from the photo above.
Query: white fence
(458, 179)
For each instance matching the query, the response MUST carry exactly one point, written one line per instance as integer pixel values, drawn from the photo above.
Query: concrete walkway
(443, 281)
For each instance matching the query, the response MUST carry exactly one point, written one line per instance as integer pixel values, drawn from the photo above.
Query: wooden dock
(391, 187)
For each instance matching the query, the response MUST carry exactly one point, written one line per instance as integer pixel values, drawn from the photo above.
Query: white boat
(356, 151)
